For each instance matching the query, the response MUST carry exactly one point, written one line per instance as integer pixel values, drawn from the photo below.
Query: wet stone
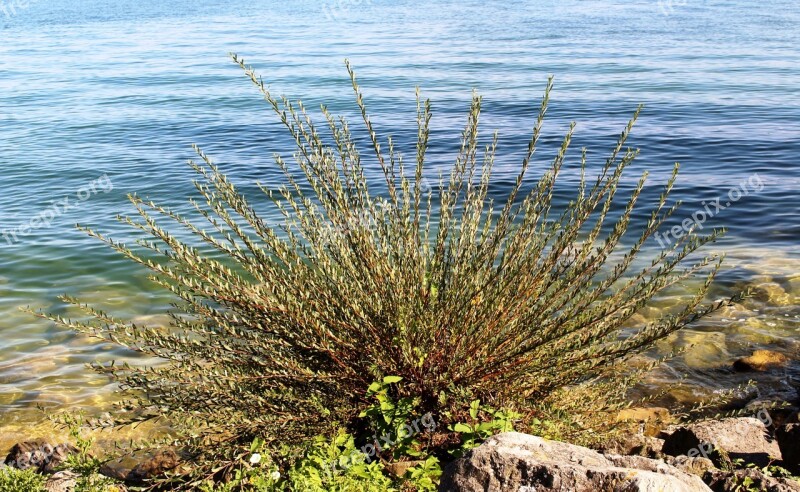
(39, 455)
(761, 360)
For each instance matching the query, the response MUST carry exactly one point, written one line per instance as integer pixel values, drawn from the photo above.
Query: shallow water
(113, 93)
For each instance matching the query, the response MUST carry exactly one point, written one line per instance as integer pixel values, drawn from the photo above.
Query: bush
(14, 480)
(280, 327)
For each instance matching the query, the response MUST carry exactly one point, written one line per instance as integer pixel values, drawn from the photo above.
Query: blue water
(115, 92)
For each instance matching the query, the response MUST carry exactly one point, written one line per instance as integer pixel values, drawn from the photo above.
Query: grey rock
(723, 481)
(63, 481)
(743, 438)
(696, 466)
(522, 463)
(67, 481)
(635, 444)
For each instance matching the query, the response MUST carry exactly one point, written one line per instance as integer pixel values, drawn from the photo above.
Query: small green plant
(83, 462)
(425, 476)
(485, 422)
(14, 480)
(745, 484)
(392, 418)
(769, 469)
(325, 464)
(741, 479)
(777, 472)
(337, 466)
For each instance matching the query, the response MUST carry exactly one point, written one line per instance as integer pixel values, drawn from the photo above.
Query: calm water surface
(100, 99)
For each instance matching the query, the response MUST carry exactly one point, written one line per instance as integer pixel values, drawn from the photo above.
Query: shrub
(14, 480)
(280, 326)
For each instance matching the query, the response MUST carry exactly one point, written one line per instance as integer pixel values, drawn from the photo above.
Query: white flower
(255, 459)
(275, 475)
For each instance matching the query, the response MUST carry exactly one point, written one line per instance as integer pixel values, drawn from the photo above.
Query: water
(113, 93)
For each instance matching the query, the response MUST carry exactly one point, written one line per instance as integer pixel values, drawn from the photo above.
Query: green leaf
(474, 407)
(462, 428)
(256, 445)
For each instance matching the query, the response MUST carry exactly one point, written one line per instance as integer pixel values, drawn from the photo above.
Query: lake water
(100, 99)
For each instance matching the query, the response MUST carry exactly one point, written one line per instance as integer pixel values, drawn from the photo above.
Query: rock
(686, 395)
(635, 321)
(771, 293)
(39, 455)
(788, 437)
(67, 481)
(63, 481)
(794, 285)
(741, 397)
(518, 462)
(772, 394)
(724, 481)
(696, 466)
(745, 438)
(704, 350)
(653, 418)
(735, 311)
(635, 444)
(755, 331)
(773, 412)
(643, 414)
(119, 468)
(137, 470)
(761, 360)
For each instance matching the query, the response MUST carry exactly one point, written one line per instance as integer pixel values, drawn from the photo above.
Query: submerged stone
(704, 350)
(761, 360)
(771, 293)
